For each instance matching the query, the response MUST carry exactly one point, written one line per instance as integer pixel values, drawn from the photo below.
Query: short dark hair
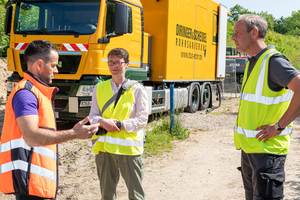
(255, 21)
(39, 49)
(121, 53)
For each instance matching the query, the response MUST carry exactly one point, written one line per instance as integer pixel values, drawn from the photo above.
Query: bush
(4, 40)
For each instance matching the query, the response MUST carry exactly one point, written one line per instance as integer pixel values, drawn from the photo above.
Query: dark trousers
(21, 197)
(263, 176)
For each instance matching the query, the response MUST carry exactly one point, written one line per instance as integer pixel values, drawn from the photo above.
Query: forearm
(139, 117)
(292, 112)
(35, 136)
(95, 113)
(132, 125)
(136, 123)
(41, 137)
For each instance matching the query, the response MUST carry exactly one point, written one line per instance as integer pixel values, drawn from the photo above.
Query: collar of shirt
(253, 59)
(256, 56)
(114, 86)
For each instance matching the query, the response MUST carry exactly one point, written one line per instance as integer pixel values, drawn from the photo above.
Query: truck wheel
(206, 97)
(194, 98)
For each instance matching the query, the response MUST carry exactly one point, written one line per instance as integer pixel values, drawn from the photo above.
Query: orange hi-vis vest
(29, 170)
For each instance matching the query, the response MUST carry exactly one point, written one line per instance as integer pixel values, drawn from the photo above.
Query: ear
(127, 65)
(254, 32)
(38, 64)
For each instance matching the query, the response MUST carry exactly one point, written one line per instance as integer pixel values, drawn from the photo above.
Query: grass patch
(218, 113)
(159, 139)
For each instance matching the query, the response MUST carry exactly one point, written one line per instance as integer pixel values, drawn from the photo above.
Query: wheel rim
(205, 96)
(195, 97)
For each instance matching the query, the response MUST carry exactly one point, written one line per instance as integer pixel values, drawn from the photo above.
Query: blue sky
(277, 8)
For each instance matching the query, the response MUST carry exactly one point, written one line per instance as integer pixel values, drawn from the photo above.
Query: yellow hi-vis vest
(259, 106)
(116, 142)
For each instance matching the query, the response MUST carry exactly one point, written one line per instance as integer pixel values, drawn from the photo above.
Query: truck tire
(205, 96)
(194, 98)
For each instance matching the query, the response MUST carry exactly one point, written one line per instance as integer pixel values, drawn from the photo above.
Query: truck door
(200, 43)
(130, 41)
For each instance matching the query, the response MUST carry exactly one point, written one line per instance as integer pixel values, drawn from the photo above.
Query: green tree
(293, 23)
(236, 11)
(280, 25)
(269, 18)
(4, 40)
(230, 27)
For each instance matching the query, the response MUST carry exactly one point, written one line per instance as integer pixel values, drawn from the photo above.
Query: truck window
(28, 16)
(230, 51)
(58, 17)
(110, 19)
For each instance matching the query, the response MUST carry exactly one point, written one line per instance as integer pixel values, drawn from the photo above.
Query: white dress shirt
(139, 113)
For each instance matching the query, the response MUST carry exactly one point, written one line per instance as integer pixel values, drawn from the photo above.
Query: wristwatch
(277, 127)
(119, 124)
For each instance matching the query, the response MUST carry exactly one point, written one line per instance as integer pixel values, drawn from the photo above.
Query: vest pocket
(29, 166)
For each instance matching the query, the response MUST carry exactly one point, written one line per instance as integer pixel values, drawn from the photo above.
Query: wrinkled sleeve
(95, 113)
(139, 118)
(281, 72)
(25, 103)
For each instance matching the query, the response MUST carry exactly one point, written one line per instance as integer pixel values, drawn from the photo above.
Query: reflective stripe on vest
(252, 134)
(20, 143)
(261, 106)
(122, 143)
(22, 165)
(267, 100)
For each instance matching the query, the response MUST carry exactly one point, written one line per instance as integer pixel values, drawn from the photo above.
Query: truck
(170, 43)
(236, 61)
(230, 51)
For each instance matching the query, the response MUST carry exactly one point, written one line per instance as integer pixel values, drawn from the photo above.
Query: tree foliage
(289, 25)
(293, 23)
(236, 11)
(4, 40)
(283, 33)
(280, 25)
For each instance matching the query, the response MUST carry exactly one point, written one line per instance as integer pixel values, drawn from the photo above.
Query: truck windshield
(56, 17)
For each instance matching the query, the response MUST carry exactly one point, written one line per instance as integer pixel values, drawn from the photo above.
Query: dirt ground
(202, 167)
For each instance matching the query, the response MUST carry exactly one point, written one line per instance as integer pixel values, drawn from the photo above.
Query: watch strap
(277, 127)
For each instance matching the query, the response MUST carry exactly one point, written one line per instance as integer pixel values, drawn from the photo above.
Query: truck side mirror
(121, 19)
(8, 18)
(9, 3)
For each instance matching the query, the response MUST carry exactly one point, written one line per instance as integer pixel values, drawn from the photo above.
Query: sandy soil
(202, 167)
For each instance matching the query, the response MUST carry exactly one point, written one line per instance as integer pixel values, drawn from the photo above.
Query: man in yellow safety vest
(269, 102)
